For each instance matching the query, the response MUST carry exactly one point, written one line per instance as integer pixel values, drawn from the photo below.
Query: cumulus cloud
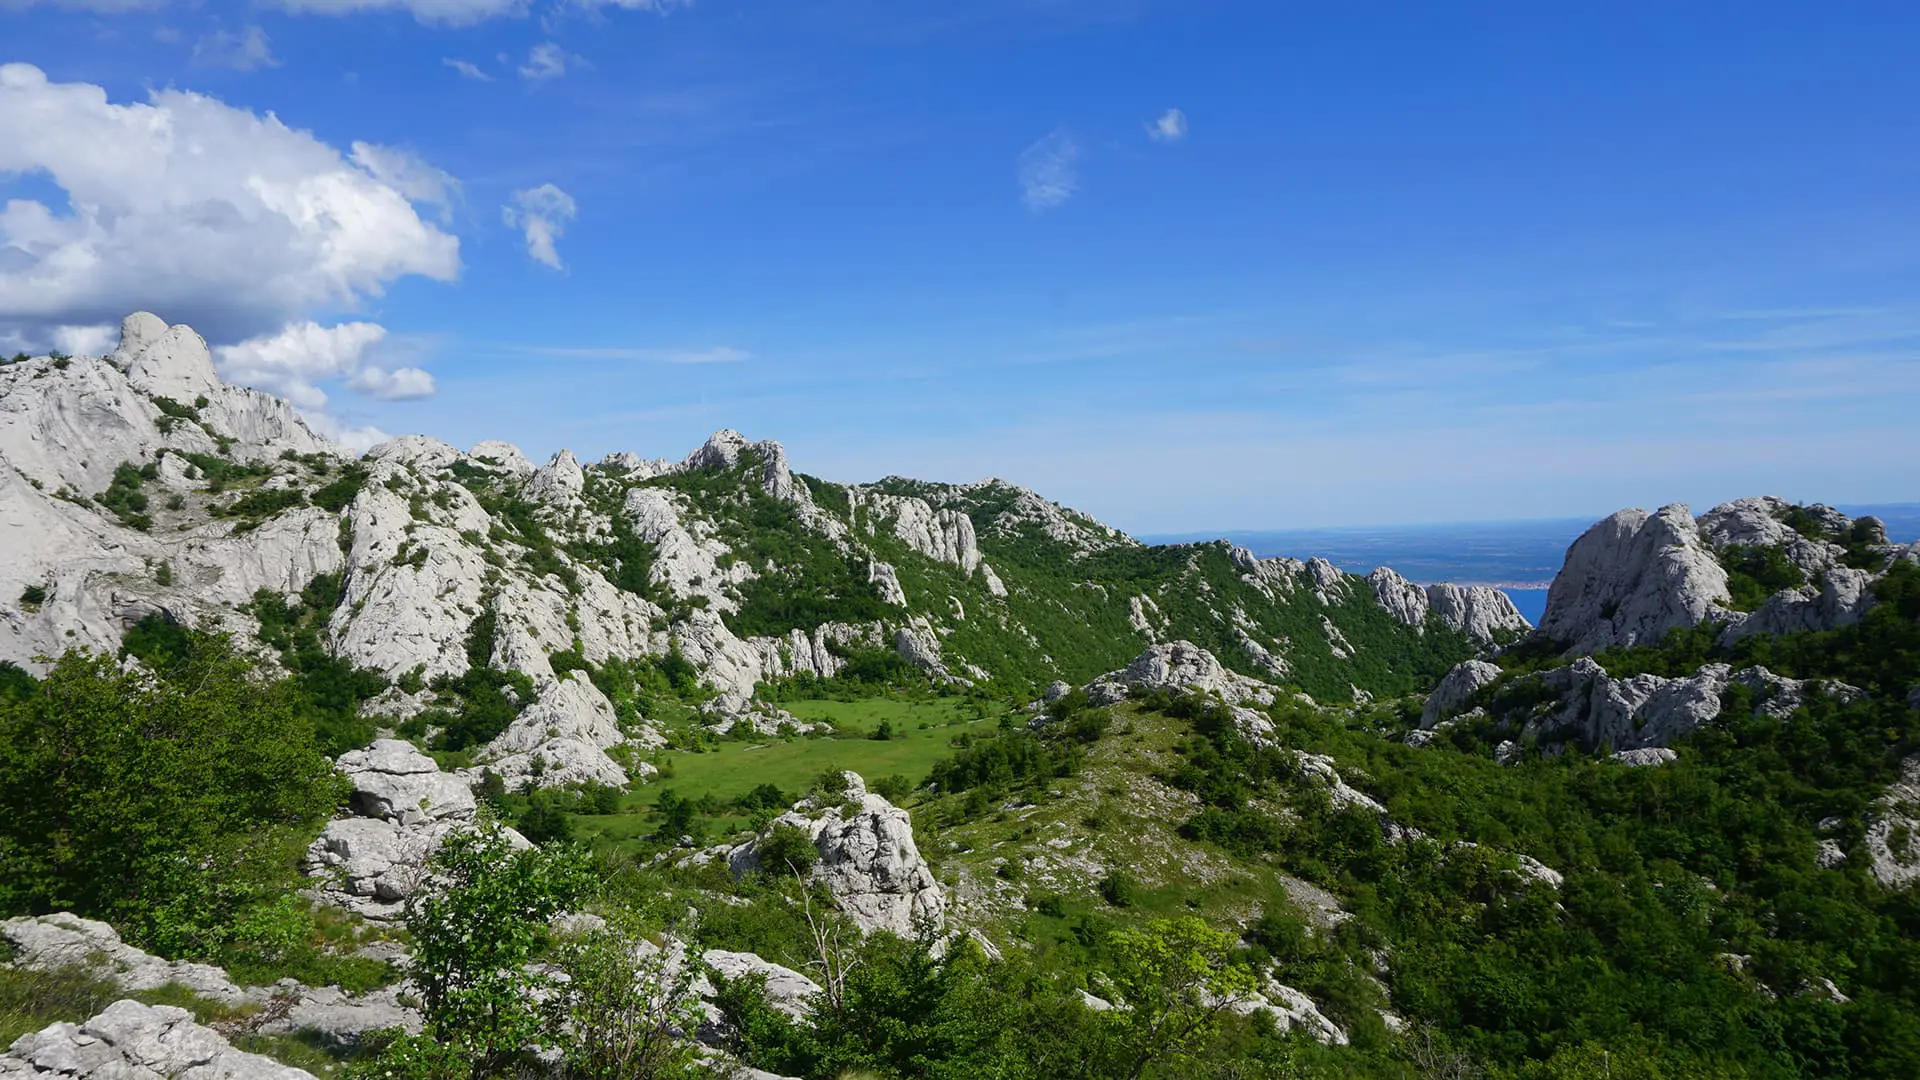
(248, 50)
(444, 12)
(1047, 174)
(1170, 127)
(295, 360)
(356, 440)
(541, 214)
(228, 220)
(467, 69)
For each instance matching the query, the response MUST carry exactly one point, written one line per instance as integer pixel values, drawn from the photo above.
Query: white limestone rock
(1401, 598)
(788, 991)
(65, 940)
(1456, 689)
(886, 583)
(1481, 612)
(868, 861)
(1893, 830)
(394, 781)
(1646, 756)
(501, 455)
(1588, 707)
(1756, 523)
(336, 1019)
(559, 482)
(1843, 597)
(1180, 665)
(132, 1041)
(1630, 579)
(561, 739)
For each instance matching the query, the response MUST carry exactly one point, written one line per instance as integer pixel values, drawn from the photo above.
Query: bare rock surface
(1456, 689)
(867, 859)
(64, 940)
(1178, 666)
(1893, 831)
(1632, 578)
(132, 1041)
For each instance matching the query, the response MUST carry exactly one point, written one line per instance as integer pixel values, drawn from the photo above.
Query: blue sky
(1188, 266)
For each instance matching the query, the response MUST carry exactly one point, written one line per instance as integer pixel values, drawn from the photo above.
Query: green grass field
(922, 734)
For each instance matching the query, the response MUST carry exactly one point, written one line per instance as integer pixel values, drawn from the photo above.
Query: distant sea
(1519, 557)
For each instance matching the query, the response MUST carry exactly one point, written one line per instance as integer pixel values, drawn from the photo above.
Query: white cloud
(248, 50)
(541, 214)
(224, 219)
(445, 12)
(293, 361)
(660, 7)
(398, 384)
(1170, 127)
(409, 174)
(715, 354)
(1047, 175)
(358, 440)
(545, 61)
(86, 340)
(467, 69)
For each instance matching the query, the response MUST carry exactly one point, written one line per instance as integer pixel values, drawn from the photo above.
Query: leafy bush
(125, 498)
(174, 807)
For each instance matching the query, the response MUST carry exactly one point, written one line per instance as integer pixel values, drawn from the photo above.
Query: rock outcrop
(1481, 612)
(561, 739)
(1181, 666)
(1893, 830)
(132, 1041)
(1581, 705)
(867, 860)
(1632, 578)
(406, 807)
(1456, 689)
(64, 940)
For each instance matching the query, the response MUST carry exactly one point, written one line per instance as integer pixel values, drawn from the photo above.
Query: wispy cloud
(1047, 174)
(248, 50)
(467, 69)
(541, 214)
(546, 61)
(715, 354)
(1171, 126)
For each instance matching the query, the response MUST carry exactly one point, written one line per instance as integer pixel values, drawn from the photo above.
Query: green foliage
(339, 493)
(175, 807)
(257, 506)
(332, 688)
(786, 850)
(16, 684)
(30, 1000)
(623, 1011)
(480, 703)
(475, 930)
(33, 596)
(1755, 573)
(125, 498)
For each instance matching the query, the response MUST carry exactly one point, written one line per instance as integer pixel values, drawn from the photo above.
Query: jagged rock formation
(405, 808)
(1580, 704)
(131, 1041)
(1458, 688)
(139, 484)
(1481, 612)
(326, 1014)
(867, 859)
(1630, 579)
(1180, 666)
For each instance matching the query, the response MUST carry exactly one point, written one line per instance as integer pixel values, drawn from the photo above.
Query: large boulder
(867, 860)
(1180, 666)
(1456, 689)
(1632, 578)
(394, 781)
(560, 739)
(132, 1041)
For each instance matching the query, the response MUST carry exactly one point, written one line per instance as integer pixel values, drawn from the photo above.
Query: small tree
(624, 1012)
(476, 926)
(1175, 977)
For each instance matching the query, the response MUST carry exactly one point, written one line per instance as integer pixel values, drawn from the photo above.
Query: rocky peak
(1630, 579)
(165, 361)
(722, 450)
(505, 455)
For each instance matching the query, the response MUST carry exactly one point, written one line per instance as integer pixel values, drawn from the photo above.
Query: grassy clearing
(923, 731)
